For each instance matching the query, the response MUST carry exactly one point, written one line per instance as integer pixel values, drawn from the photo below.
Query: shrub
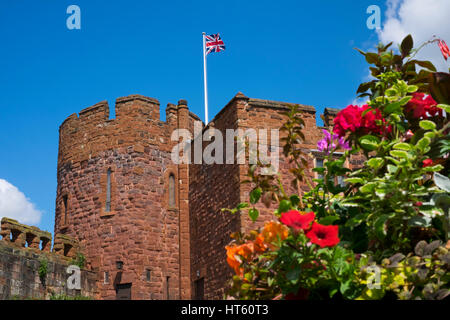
(322, 244)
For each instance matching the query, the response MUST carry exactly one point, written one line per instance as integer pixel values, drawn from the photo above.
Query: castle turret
(118, 194)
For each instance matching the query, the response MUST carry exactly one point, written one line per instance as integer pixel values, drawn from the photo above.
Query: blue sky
(295, 51)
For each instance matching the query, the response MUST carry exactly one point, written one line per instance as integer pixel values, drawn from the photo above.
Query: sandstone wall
(23, 250)
(216, 186)
(140, 230)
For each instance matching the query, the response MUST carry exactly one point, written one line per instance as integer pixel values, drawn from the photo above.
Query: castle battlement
(137, 121)
(32, 238)
(122, 196)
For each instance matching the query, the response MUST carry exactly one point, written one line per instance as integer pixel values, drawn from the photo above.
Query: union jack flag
(214, 43)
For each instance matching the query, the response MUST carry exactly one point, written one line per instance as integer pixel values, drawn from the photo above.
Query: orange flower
(259, 244)
(234, 254)
(233, 260)
(245, 250)
(272, 230)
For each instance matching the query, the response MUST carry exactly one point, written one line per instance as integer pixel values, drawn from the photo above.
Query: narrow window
(108, 191)
(340, 181)
(319, 164)
(65, 198)
(200, 289)
(171, 191)
(106, 278)
(147, 275)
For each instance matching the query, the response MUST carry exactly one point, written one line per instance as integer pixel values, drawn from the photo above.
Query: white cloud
(422, 19)
(14, 204)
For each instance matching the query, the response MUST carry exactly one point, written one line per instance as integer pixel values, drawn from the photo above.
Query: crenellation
(97, 113)
(137, 107)
(32, 238)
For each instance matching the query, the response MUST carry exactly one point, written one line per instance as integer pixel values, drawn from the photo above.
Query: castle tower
(125, 201)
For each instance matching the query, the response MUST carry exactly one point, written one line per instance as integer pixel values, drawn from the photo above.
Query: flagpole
(205, 80)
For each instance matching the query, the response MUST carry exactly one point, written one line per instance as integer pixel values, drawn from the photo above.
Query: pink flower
(444, 49)
(331, 142)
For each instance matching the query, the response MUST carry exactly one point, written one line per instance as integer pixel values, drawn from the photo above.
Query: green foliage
(79, 260)
(393, 211)
(423, 275)
(43, 269)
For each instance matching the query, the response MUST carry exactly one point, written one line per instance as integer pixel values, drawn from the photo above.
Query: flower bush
(382, 233)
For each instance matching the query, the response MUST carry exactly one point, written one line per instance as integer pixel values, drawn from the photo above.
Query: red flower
(427, 163)
(324, 236)
(422, 107)
(444, 49)
(418, 204)
(297, 220)
(352, 119)
(347, 119)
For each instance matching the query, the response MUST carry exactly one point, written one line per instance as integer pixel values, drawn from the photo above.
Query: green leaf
(375, 163)
(354, 180)
(242, 205)
(430, 135)
(393, 107)
(399, 153)
(427, 125)
(295, 200)
(372, 58)
(420, 221)
(253, 214)
(380, 226)
(402, 146)
(285, 206)
(293, 275)
(368, 187)
(391, 168)
(369, 142)
(427, 64)
(407, 45)
(412, 88)
(403, 101)
(435, 168)
(345, 286)
(423, 143)
(320, 170)
(328, 220)
(444, 107)
(356, 220)
(255, 195)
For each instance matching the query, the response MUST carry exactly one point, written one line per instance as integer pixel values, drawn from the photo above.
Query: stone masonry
(22, 251)
(144, 222)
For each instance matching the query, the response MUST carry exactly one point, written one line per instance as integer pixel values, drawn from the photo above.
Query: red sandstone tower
(120, 195)
(152, 229)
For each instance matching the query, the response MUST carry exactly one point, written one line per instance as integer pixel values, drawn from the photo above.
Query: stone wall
(149, 237)
(23, 249)
(217, 186)
(165, 249)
